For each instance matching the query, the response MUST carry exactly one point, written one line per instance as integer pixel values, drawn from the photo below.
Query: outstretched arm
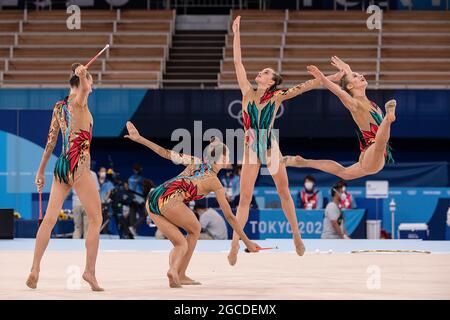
(241, 74)
(83, 89)
(306, 86)
(340, 65)
(348, 101)
(177, 158)
(52, 138)
(225, 206)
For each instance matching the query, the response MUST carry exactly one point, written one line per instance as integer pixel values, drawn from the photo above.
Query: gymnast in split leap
(374, 127)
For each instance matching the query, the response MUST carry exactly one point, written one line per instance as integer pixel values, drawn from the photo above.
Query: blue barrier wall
(272, 224)
(413, 205)
(111, 108)
(262, 224)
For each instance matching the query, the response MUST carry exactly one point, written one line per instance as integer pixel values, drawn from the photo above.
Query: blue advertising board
(272, 224)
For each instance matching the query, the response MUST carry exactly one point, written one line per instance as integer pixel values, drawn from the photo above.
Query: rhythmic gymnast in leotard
(166, 204)
(71, 116)
(374, 127)
(259, 108)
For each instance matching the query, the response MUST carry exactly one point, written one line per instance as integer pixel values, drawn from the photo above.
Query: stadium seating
(412, 49)
(40, 43)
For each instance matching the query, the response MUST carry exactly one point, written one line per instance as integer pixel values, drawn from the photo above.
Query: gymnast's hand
(252, 246)
(133, 133)
(236, 23)
(39, 181)
(338, 63)
(337, 76)
(315, 72)
(81, 71)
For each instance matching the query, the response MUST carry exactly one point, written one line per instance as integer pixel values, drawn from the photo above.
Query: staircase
(194, 59)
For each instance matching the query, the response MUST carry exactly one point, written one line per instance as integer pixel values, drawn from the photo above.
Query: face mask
(343, 196)
(309, 186)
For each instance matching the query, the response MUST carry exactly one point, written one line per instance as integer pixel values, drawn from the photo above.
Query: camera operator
(138, 214)
(122, 199)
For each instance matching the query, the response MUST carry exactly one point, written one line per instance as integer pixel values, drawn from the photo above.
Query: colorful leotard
(75, 154)
(367, 138)
(258, 117)
(194, 183)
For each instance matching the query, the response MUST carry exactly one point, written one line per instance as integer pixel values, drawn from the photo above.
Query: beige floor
(141, 275)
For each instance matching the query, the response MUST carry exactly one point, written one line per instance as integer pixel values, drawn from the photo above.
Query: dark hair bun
(214, 140)
(279, 80)
(215, 148)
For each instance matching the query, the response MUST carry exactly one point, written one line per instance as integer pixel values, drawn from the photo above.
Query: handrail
(71, 58)
(88, 46)
(59, 72)
(105, 84)
(394, 85)
(366, 72)
(87, 34)
(380, 43)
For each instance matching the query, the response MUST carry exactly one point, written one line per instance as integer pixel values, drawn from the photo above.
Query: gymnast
(374, 127)
(166, 204)
(72, 117)
(259, 108)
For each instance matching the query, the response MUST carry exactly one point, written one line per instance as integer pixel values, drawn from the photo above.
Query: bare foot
(174, 281)
(390, 110)
(90, 278)
(232, 256)
(299, 246)
(185, 280)
(33, 279)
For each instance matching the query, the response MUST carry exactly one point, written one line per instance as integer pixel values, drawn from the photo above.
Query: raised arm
(241, 74)
(340, 65)
(348, 101)
(225, 206)
(83, 89)
(52, 138)
(177, 158)
(305, 86)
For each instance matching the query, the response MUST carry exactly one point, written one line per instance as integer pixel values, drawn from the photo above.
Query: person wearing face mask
(310, 197)
(105, 184)
(347, 202)
(333, 222)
